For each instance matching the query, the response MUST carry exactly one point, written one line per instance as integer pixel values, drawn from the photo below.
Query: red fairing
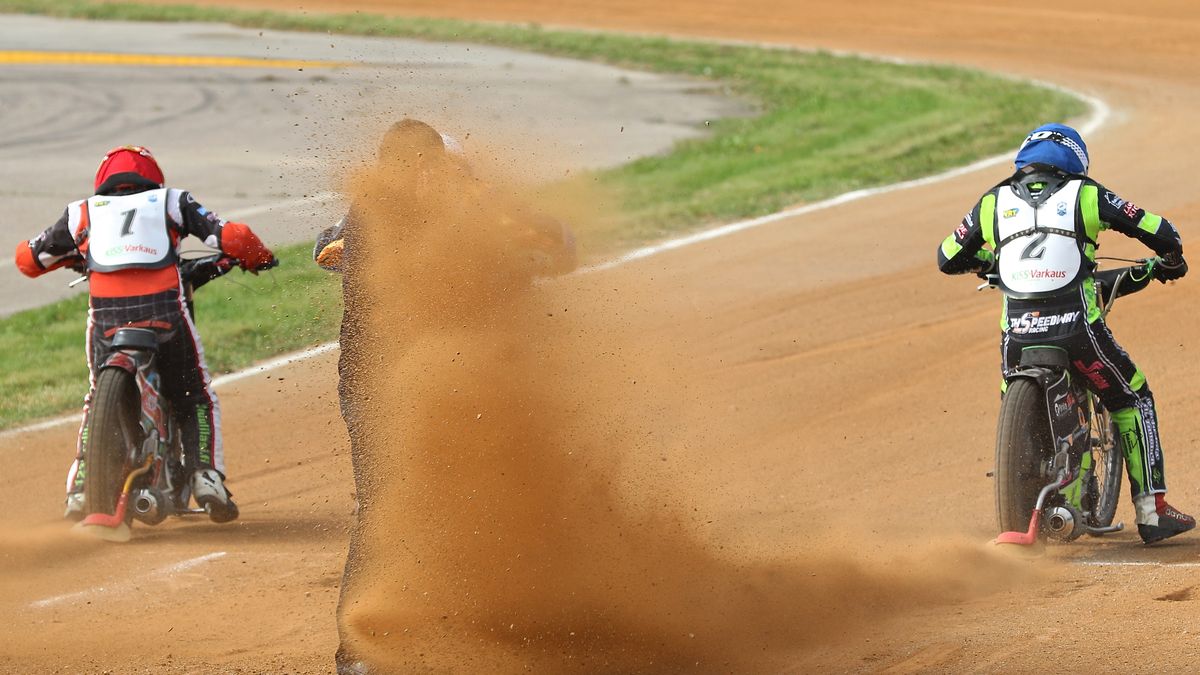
(240, 242)
(128, 159)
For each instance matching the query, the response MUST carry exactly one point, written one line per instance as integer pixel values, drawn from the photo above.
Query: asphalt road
(267, 141)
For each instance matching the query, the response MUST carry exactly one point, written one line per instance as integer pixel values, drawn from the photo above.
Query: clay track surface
(840, 399)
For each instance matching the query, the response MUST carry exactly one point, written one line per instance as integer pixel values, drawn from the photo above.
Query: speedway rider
(125, 237)
(1050, 292)
(422, 164)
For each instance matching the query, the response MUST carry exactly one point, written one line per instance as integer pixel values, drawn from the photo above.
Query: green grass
(825, 124)
(242, 318)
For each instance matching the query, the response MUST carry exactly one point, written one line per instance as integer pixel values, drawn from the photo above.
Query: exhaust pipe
(149, 506)
(1064, 523)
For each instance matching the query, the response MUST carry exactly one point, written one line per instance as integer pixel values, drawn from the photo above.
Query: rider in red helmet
(125, 238)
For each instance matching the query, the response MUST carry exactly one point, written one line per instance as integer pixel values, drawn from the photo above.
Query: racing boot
(208, 489)
(74, 510)
(74, 506)
(1158, 520)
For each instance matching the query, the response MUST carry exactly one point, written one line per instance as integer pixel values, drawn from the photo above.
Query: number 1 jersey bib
(129, 231)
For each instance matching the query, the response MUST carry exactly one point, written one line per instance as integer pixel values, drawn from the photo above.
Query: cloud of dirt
(496, 424)
(26, 550)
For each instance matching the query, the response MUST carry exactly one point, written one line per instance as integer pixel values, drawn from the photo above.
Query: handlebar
(200, 271)
(1111, 284)
(196, 272)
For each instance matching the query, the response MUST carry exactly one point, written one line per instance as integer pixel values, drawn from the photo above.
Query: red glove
(240, 242)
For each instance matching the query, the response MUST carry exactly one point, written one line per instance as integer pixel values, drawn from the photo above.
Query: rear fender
(1067, 411)
(138, 364)
(127, 361)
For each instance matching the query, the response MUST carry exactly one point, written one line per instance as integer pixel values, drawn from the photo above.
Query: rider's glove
(986, 267)
(1170, 267)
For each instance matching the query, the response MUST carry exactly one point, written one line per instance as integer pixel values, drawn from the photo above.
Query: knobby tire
(113, 418)
(1022, 440)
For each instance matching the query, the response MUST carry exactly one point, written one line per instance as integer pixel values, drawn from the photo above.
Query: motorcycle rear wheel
(112, 430)
(1022, 441)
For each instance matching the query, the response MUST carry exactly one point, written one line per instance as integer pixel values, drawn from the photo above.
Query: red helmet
(128, 159)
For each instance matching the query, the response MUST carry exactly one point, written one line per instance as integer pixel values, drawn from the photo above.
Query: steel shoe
(210, 493)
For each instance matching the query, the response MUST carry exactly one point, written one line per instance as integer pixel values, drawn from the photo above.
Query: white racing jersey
(1040, 250)
(128, 231)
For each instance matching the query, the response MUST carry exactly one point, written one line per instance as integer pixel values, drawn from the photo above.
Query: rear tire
(1022, 441)
(112, 429)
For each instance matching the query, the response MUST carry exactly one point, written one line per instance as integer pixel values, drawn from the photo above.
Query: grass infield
(825, 125)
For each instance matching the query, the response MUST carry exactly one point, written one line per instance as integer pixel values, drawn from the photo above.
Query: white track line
(1100, 113)
(255, 210)
(1132, 563)
(159, 573)
(73, 418)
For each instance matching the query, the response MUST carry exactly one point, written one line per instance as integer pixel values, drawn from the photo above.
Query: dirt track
(827, 398)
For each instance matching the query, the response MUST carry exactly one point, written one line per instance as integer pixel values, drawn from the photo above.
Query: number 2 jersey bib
(1040, 253)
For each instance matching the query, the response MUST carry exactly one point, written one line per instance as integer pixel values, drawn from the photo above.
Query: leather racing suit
(126, 238)
(1050, 293)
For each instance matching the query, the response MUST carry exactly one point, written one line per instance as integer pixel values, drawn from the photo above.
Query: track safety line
(1132, 563)
(1100, 113)
(160, 573)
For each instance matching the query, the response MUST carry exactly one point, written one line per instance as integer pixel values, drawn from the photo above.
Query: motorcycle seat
(1052, 357)
(143, 339)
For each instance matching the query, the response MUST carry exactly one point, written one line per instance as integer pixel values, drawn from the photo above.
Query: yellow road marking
(104, 59)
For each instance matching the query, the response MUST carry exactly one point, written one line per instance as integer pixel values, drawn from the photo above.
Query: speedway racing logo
(1032, 323)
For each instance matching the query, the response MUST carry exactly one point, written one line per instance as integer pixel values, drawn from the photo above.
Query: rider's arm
(330, 244)
(1131, 220)
(53, 248)
(963, 250)
(234, 239)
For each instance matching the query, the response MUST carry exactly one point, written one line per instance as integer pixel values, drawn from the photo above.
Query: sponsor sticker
(1093, 373)
(1032, 323)
(102, 203)
(1011, 213)
(1131, 210)
(960, 232)
(1062, 209)
(1063, 404)
(1116, 201)
(1026, 275)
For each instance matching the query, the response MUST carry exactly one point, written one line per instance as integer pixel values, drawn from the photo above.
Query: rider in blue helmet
(1056, 145)
(1038, 230)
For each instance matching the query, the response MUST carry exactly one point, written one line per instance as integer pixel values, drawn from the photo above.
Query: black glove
(1170, 267)
(986, 269)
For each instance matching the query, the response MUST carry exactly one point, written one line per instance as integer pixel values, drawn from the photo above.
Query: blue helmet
(1057, 145)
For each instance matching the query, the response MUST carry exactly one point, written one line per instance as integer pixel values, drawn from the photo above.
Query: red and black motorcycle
(134, 458)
